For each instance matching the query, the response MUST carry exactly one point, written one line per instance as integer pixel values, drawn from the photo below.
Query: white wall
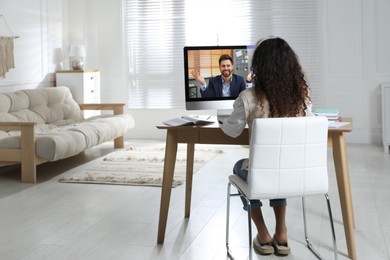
(39, 35)
(97, 25)
(354, 53)
(355, 40)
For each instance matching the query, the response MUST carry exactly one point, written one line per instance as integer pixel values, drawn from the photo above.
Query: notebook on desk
(337, 124)
(188, 120)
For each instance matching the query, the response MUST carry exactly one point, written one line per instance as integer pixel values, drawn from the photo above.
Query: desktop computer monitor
(205, 59)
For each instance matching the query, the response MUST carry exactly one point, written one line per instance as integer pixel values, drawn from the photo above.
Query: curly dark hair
(278, 78)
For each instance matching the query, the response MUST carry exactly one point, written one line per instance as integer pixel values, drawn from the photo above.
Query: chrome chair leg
(249, 227)
(308, 243)
(228, 220)
(332, 227)
(229, 253)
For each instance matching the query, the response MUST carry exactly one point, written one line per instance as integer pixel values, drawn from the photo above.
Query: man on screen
(225, 85)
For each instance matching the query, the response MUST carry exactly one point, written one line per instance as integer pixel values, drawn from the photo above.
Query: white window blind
(157, 30)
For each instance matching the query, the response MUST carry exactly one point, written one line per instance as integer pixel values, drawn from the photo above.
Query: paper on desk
(336, 124)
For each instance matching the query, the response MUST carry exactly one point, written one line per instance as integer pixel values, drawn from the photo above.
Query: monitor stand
(222, 114)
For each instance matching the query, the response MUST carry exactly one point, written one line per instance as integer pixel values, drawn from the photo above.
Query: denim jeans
(243, 173)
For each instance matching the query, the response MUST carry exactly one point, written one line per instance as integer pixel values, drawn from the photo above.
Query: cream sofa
(41, 125)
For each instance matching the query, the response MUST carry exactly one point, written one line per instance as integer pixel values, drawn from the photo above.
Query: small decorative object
(6, 50)
(77, 54)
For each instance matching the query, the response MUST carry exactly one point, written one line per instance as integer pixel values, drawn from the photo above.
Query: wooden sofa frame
(26, 154)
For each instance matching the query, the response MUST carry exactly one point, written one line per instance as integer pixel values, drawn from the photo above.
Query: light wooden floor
(51, 220)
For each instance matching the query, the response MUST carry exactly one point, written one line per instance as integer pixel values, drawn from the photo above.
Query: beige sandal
(281, 249)
(265, 249)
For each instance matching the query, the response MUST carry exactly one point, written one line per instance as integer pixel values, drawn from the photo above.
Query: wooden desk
(212, 134)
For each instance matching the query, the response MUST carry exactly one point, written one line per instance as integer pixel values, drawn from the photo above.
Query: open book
(187, 120)
(337, 124)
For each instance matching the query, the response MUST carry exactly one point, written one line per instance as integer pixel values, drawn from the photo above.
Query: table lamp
(77, 54)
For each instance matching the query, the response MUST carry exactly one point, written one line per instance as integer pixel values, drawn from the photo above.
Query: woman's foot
(263, 248)
(281, 248)
(264, 238)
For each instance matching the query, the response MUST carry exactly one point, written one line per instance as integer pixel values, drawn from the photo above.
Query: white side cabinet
(84, 85)
(386, 116)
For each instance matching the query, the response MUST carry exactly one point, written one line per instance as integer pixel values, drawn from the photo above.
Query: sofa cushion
(55, 143)
(61, 130)
(103, 128)
(43, 106)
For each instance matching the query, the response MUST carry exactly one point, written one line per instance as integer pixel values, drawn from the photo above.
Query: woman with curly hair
(279, 89)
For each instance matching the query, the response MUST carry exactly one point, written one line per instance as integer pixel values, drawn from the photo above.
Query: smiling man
(227, 84)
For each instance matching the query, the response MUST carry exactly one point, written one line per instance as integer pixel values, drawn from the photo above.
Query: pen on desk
(208, 118)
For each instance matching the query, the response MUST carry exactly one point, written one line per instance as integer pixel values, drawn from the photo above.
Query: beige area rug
(141, 165)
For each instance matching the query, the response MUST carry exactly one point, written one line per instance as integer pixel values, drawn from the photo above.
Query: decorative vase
(77, 64)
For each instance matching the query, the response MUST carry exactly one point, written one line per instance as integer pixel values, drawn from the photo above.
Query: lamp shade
(77, 51)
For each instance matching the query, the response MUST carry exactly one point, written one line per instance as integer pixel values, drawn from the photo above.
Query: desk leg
(189, 174)
(343, 183)
(169, 167)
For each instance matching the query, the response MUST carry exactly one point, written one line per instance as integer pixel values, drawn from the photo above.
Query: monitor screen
(203, 62)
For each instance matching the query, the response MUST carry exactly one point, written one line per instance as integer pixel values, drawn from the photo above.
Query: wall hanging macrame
(6, 50)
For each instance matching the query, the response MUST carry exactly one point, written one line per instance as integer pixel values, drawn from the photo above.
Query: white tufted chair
(287, 158)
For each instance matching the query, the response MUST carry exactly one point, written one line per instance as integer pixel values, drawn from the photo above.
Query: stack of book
(331, 114)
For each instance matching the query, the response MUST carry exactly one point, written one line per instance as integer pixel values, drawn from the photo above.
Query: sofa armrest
(117, 108)
(26, 155)
(16, 126)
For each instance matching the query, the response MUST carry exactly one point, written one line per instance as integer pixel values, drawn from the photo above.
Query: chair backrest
(288, 157)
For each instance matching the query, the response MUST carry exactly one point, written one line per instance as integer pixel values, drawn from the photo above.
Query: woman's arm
(235, 124)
